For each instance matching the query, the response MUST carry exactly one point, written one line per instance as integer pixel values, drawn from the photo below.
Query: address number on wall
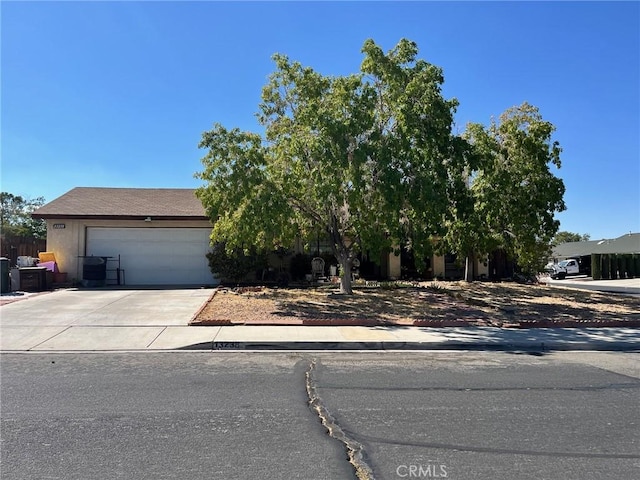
(58, 225)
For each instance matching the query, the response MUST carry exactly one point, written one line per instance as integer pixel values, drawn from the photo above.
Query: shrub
(234, 266)
(596, 266)
(605, 266)
(631, 265)
(300, 266)
(624, 267)
(435, 287)
(613, 266)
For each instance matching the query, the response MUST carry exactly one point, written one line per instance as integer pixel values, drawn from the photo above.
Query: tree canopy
(566, 237)
(512, 193)
(369, 161)
(358, 158)
(15, 216)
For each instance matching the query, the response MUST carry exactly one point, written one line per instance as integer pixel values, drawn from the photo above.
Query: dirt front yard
(428, 304)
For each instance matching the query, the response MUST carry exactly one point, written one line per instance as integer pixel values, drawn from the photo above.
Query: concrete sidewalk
(157, 320)
(15, 338)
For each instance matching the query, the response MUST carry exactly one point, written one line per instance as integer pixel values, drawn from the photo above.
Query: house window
(453, 269)
(319, 246)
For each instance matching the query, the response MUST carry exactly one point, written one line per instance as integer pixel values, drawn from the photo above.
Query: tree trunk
(345, 278)
(469, 267)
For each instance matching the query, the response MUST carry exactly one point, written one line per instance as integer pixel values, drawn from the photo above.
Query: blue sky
(117, 94)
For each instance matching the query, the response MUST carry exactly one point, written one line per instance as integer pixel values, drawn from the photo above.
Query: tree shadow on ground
(452, 304)
(402, 306)
(482, 304)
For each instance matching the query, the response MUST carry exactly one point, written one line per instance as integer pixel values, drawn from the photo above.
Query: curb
(203, 306)
(423, 346)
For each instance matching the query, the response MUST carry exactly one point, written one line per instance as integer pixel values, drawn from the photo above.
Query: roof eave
(54, 216)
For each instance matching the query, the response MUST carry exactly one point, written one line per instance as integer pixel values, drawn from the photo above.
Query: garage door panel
(155, 256)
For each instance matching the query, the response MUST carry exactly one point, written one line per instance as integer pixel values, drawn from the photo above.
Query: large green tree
(15, 216)
(512, 193)
(362, 159)
(565, 237)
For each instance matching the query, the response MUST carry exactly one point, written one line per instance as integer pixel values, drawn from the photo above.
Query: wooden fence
(14, 247)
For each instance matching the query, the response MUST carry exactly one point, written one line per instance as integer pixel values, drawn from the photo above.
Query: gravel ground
(426, 304)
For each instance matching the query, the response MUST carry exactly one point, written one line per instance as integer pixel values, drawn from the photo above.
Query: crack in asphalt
(355, 450)
(354, 442)
(508, 451)
(585, 388)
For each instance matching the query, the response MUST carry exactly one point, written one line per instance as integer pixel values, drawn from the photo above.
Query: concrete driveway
(55, 320)
(628, 286)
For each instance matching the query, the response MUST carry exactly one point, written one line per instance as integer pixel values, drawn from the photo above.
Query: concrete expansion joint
(355, 450)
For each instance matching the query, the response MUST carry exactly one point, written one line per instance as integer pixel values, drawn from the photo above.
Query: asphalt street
(389, 415)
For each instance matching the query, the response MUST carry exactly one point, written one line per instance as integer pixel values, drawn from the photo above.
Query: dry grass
(503, 304)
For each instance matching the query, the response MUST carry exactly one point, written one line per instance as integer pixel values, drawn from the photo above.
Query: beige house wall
(394, 267)
(69, 243)
(438, 266)
(482, 266)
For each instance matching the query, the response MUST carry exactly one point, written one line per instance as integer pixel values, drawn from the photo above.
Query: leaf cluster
(514, 191)
(15, 216)
(566, 237)
(234, 265)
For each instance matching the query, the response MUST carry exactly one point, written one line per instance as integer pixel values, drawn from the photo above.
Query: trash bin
(94, 271)
(5, 280)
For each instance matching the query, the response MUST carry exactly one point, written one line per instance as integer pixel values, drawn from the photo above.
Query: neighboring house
(626, 244)
(156, 236)
(629, 243)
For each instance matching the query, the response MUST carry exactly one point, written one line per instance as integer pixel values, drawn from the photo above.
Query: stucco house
(158, 236)
(155, 236)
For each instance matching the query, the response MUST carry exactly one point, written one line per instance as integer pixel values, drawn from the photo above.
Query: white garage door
(155, 256)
